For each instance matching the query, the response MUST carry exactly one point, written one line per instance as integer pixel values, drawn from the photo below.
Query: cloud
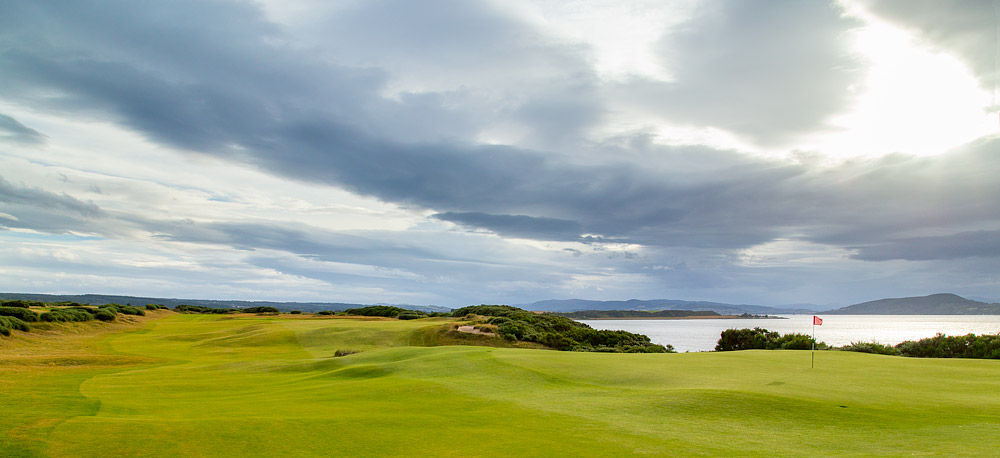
(518, 225)
(965, 29)
(471, 114)
(766, 71)
(14, 195)
(955, 246)
(12, 129)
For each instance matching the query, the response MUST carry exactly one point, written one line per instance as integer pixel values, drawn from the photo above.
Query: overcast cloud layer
(457, 152)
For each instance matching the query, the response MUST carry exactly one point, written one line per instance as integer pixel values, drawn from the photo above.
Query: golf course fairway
(248, 386)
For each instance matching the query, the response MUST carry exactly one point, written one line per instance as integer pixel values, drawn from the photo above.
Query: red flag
(817, 320)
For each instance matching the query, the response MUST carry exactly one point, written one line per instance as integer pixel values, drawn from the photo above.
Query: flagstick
(812, 362)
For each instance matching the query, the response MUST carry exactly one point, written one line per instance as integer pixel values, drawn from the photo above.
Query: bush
(326, 312)
(8, 323)
(986, 346)
(20, 313)
(795, 341)
(123, 309)
(487, 310)
(762, 339)
(745, 339)
(156, 307)
(262, 310)
(68, 315)
(105, 314)
(67, 304)
(296, 312)
(184, 308)
(870, 347)
(377, 310)
(410, 315)
(558, 332)
(340, 353)
(21, 303)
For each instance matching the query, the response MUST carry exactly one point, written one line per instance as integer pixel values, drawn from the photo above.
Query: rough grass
(202, 385)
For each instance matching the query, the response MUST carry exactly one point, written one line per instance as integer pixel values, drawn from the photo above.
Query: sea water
(836, 330)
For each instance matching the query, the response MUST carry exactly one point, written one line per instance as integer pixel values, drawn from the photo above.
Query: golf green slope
(216, 386)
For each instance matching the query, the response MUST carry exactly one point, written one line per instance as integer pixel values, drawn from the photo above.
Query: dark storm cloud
(517, 225)
(12, 129)
(962, 245)
(766, 70)
(966, 29)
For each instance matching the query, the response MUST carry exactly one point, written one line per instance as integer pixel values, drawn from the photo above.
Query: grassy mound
(556, 331)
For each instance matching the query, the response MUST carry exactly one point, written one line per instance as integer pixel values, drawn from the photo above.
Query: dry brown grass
(69, 344)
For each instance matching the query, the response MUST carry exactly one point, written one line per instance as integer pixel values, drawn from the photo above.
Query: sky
(456, 152)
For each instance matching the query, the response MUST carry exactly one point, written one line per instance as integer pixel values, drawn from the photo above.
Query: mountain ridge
(933, 304)
(577, 305)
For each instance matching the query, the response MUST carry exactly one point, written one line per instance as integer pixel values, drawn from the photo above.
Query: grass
(208, 385)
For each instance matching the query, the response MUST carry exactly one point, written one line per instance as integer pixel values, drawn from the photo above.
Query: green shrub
(340, 353)
(67, 315)
(22, 303)
(8, 323)
(762, 339)
(794, 341)
(410, 315)
(67, 304)
(184, 308)
(295, 312)
(326, 312)
(487, 310)
(377, 310)
(558, 332)
(156, 307)
(745, 339)
(262, 310)
(870, 347)
(123, 309)
(20, 313)
(105, 314)
(986, 346)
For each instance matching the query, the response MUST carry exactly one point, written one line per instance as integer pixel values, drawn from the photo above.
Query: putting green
(196, 385)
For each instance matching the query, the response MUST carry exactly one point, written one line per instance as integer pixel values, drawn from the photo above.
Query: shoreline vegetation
(969, 346)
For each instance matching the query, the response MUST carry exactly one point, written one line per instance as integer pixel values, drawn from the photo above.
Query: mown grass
(196, 385)
(40, 373)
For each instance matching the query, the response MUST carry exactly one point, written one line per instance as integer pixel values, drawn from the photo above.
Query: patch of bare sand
(473, 330)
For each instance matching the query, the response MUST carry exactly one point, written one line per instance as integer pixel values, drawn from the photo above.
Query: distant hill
(577, 305)
(625, 314)
(935, 304)
(99, 299)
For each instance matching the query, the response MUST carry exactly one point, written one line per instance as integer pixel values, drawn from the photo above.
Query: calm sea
(837, 330)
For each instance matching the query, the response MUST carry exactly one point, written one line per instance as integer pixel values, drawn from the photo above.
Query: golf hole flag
(812, 356)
